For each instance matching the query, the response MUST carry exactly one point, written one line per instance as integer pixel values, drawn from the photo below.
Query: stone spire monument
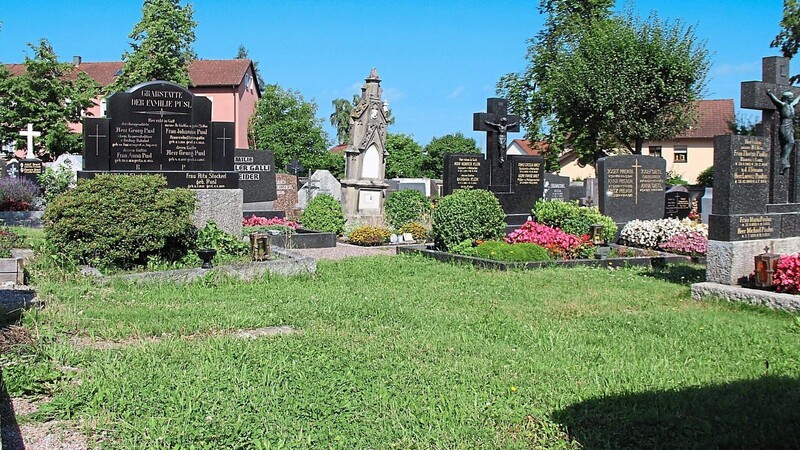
(364, 186)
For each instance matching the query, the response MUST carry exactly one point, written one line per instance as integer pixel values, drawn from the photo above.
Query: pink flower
(255, 221)
(559, 243)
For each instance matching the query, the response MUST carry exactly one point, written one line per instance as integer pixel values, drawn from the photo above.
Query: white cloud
(456, 93)
(735, 69)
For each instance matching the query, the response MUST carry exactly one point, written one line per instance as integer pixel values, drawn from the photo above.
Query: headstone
(70, 162)
(30, 169)
(11, 168)
(577, 192)
(286, 192)
(465, 171)
(677, 203)
(631, 187)
(161, 128)
(256, 174)
(556, 187)
(424, 185)
(321, 182)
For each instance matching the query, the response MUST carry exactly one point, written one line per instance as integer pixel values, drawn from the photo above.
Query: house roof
(713, 118)
(338, 148)
(532, 149)
(202, 72)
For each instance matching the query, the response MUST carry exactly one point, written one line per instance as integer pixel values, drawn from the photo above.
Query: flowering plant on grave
(787, 275)
(651, 233)
(558, 243)
(255, 221)
(693, 243)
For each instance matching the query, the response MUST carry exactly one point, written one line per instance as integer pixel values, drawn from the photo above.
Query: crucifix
(97, 137)
(223, 139)
(758, 95)
(295, 167)
(497, 123)
(30, 134)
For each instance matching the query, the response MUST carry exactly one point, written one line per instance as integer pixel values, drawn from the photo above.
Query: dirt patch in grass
(12, 336)
(52, 435)
(255, 333)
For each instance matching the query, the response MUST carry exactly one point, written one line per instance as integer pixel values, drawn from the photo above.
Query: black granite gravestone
(677, 203)
(30, 169)
(161, 128)
(11, 168)
(556, 187)
(631, 187)
(256, 174)
(464, 171)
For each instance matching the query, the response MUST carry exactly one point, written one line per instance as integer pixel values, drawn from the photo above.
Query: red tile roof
(338, 148)
(533, 149)
(202, 72)
(713, 118)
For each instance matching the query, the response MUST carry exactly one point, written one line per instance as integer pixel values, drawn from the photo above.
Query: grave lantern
(596, 234)
(765, 263)
(259, 246)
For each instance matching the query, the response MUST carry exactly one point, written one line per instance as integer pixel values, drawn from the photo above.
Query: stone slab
(631, 187)
(223, 206)
(256, 174)
(772, 300)
(741, 174)
(320, 182)
(730, 263)
(182, 179)
(556, 187)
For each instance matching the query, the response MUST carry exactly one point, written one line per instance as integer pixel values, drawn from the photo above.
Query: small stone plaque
(631, 187)
(369, 200)
(30, 169)
(677, 203)
(285, 192)
(256, 174)
(556, 187)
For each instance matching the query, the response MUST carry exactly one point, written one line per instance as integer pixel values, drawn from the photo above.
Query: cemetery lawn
(406, 352)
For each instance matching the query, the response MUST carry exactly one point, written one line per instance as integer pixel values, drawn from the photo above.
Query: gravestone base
(223, 206)
(262, 209)
(362, 199)
(731, 262)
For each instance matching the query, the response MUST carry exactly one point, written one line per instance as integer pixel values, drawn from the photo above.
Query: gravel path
(342, 251)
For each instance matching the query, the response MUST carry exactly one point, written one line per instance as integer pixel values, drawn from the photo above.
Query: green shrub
(473, 214)
(119, 221)
(675, 179)
(572, 218)
(418, 231)
(212, 236)
(369, 235)
(324, 213)
(8, 240)
(706, 177)
(406, 206)
(503, 251)
(54, 182)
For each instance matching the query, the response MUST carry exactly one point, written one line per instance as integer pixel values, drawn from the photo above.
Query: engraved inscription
(751, 163)
(467, 172)
(754, 227)
(529, 173)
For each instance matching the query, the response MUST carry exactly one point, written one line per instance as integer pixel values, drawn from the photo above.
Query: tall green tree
(340, 117)
(286, 124)
(405, 156)
(161, 47)
(242, 53)
(788, 39)
(49, 95)
(432, 164)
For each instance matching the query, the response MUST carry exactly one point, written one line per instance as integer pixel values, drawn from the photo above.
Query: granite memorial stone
(256, 174)
(320, 182)
(286, 192)
(677, 203)
(631, 187)
(556, 187)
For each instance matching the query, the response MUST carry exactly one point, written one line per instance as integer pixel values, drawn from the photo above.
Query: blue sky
(439, 60)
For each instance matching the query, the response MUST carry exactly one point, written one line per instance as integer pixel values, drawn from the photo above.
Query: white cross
(30, 134)
(12, 171)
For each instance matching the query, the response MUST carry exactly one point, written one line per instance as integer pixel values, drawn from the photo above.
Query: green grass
(404, 352)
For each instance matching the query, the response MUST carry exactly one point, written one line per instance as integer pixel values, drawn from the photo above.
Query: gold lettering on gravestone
(621, 182)
(751, 163)
(467, 172)
(529, 173)
(754, 227)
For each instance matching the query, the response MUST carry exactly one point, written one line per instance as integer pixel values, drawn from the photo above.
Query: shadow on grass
(684, 274)
(10, 434)
(761, 413)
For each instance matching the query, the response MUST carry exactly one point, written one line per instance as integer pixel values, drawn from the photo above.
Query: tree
(340, 117)
(161, 47)
(242, 53)
(788, 40)
(286, 124)
(433, 162)
(50, 95)
(614, 81)
(405, 156)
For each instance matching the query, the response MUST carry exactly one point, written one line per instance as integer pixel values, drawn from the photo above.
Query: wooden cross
(30, 134)
(223, 139)
(497, 123)
(97, 137)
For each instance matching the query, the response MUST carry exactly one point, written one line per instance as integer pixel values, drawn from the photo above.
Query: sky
(439, 59)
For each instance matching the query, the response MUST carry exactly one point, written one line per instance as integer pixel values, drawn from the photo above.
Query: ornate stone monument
(364, 186)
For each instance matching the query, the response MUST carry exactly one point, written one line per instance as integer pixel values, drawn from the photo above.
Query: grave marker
(556, 187)
(631, 187)
(677, 203)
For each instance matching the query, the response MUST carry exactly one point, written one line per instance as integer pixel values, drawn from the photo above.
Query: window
(247, 81)
(655, 151)
(103, 107)
(681, 154)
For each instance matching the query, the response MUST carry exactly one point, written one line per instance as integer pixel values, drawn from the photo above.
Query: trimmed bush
(119, 221)
(324, 213)
(502, 251)
(418, 231)
(17, 194)
(406, 206)
(369, 235)
(572, 218)
(473, 214)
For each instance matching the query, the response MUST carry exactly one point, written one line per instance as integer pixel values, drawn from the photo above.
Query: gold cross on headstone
(636, 167)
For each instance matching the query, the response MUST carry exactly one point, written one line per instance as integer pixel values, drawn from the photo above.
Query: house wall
(571, 169)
